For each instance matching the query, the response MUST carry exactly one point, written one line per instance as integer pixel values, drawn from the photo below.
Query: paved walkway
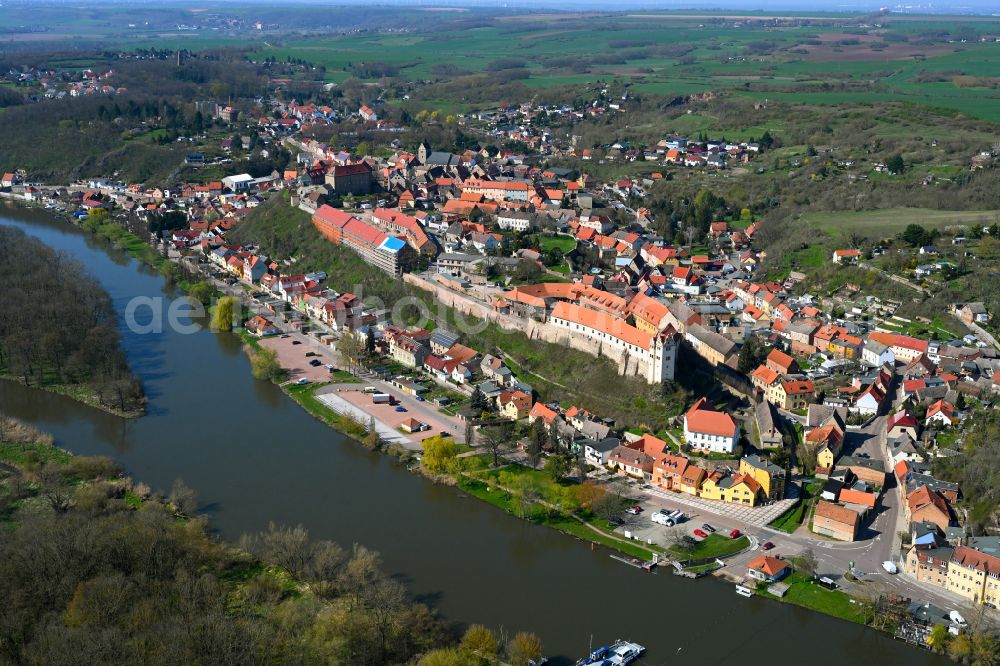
(757, 516)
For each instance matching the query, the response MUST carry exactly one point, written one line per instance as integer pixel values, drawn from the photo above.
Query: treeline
(58, 325)
(96, 569)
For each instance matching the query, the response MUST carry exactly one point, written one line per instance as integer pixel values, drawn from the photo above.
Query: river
(254, 456)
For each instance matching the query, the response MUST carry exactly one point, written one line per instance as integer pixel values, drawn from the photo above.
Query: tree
(351, 350)
(443, 656)
(752, 354)
(524, 648)
(480, 642)
(479, 401)
(439, 454)
(807, 562)
(264, 364)
(588, 494)
(202, 292)
(557, 466)
(370, 343)
(372, 438)
(497, 439)
(915, 235)
(184, 499)
(938, 638)
(226, 313)
(538, 438)
(895, 164)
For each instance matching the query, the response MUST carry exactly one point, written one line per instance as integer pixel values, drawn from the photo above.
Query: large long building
(387, 252)
(653, 355)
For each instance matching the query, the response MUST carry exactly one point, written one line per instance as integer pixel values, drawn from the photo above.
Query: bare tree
(184, 499)
(497, 439)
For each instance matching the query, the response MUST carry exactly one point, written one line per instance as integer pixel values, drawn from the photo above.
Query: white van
(661, 517)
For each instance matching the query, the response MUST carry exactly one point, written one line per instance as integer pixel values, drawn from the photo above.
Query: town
(811, 439)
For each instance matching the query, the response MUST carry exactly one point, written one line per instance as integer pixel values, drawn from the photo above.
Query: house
(543, 412)
(768, 432)
(598, 452)
(972, 313)
(868, 470)
(797, 394)
(768, 569)
(780, 362)
(901, 423)
(927, 505)
(929, 564)
(941, 413)
(261, 326)
(726, 486)
(975, 576)
(770, 477)
(846, 256)
(706, 429)
(877, 354)
(835, 521)
(515, 405)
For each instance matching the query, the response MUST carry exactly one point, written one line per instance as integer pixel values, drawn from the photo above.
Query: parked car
(707, 527)
(331, 367)
(401, 409)
(296, 342)
(699, 533)
(302, 380)
(767, 546)
(635, 510)
(315, 362)
(419, 399)
(735, 534)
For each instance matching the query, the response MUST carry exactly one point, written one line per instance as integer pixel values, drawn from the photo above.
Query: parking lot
(387, 414)
(293, 358)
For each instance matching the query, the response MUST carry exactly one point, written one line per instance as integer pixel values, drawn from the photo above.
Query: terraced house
(975, 576)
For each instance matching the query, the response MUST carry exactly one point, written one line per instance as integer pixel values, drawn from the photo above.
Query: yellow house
(974, 575)
(515, 405)
(824, 457)
(770, 477)
(733, 488)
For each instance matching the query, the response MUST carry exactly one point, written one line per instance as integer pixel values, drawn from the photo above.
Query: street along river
(254, 456)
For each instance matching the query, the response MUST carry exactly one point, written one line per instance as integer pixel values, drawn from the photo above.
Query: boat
(618, 653)
(744, 591)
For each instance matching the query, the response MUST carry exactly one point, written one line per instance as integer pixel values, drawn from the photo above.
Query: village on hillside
(828, 413)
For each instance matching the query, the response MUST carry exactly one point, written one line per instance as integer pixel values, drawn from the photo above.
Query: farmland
(822, 62)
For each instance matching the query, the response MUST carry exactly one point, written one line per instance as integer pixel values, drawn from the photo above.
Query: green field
(892, 220)
(675, 55)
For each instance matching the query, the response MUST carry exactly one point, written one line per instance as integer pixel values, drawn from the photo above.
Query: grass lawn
(889, 221)
(715, 545)
(305, 395)
(564, 243)
(805, 592)
(790, 520)
(542, 516)
(32, 454)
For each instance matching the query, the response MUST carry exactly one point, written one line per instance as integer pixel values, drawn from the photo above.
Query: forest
(58, 327)
(98, 569)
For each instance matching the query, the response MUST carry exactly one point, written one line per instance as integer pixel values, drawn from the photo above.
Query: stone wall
(628, 365)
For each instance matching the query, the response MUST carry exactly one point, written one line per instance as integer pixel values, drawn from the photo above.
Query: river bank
(255, 456)
(565, 522)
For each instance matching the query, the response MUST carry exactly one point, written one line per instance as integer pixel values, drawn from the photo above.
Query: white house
(877, 354)
(708, 430)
